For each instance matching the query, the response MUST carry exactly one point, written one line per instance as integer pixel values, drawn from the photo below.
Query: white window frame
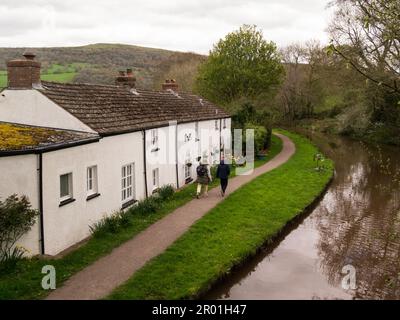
(216, 125)
(128, 182)
(154, 137)
(224, 123)
(70, 187)
(188, 171)
(92, 180)
(156, 178)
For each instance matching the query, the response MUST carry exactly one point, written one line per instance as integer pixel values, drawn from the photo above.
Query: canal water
(347, 247)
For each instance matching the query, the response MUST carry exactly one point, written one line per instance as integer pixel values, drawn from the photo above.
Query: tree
(303, 87)
(242, 65)
(16, 218)
(366, 33)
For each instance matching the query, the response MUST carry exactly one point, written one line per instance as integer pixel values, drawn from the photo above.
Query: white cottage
(83, 151)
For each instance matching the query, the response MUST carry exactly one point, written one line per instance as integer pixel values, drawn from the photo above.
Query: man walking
(223, 173)
(203, 177)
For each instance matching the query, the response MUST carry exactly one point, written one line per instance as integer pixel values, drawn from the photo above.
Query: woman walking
(223, 173)
(203, 178)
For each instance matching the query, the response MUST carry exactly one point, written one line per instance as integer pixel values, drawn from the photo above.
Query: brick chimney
(170, 84)
(126, 79)
(24, 73)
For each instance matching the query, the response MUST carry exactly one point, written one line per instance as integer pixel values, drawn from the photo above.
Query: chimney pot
(170, 84)
(29, 55)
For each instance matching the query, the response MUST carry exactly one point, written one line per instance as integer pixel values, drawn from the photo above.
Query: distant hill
(99, 63)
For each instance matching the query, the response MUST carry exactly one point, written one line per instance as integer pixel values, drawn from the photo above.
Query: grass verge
(24, 282)
(232, 231)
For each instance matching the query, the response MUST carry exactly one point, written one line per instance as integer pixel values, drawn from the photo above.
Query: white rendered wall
(19, 175)
(65, 226)
(161, 156)
(33, 108)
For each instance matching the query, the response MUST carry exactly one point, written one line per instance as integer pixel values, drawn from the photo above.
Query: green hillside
(99, 63)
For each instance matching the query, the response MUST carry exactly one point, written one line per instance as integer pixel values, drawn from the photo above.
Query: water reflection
(356, 223)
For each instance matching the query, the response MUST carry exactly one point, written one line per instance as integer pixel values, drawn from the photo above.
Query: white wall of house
(187, 152)
(161, 157)
(33, 108)
(65, 226)
(210, 140)
(19, 175)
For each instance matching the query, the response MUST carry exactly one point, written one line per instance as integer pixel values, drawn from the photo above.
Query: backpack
(201, 171)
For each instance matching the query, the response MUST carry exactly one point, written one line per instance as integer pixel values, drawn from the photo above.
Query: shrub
(260, 136)
(16, 218)
(110, 224)
(146, 206)
(166, 192)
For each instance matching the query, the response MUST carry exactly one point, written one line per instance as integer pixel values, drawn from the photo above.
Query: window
(128, 178)
(188, 166)
(156, 179)
(66, 187)
(154, 137)
(224, 123)
(188, 173)
(216, 125)
(92, 180)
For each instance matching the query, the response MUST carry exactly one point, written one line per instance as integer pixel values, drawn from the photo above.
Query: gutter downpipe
(220, 140)
(176, 155)
(145, 163)
(41, 217)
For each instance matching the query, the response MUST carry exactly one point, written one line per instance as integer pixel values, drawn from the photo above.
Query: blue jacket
(223, 171)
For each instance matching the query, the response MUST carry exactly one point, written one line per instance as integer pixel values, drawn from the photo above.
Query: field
(62, 77)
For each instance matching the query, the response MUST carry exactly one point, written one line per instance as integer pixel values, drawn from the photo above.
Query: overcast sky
(184, 25)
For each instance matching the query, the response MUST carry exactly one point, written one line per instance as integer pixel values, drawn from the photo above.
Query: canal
(346, 247)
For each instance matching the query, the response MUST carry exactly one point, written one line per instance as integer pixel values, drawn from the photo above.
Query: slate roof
(112, 110)
(18, 138)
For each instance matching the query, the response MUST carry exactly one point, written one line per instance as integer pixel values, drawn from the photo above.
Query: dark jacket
(205, 180)
(223, 171)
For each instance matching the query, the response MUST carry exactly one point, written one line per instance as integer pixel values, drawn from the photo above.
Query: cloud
(184, 25)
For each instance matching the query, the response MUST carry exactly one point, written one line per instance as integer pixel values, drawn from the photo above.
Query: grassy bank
(24, 282)
(232, 231)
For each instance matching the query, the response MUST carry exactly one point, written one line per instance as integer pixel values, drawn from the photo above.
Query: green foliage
(146, 206)
(247, 116)
(232, 231)
(16, 218)
(260, 136)
(110, 224)
(123, 219)
(166, 192)
(242, 64)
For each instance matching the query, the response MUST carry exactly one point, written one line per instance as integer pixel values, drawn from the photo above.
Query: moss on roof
(15, 137)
